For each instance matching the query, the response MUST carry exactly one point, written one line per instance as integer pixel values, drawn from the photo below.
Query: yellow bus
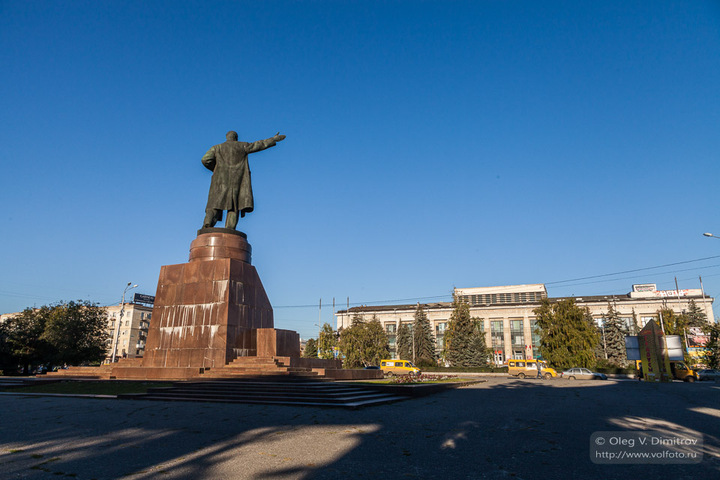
(528, 368)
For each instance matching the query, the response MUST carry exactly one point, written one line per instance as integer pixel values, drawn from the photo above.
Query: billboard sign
(144, 299)
(696, 337)
(654, 354)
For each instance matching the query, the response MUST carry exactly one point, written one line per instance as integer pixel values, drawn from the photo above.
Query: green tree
(8, 363)
(672, 323)
(326, 341)
(404, 341)
(695, 315)
(424, 340)
(363, 343)
(465, 339)
(567, 339)
(23, 338)
(76, 331)
(712, 347)
(311, 349)
(614, 338)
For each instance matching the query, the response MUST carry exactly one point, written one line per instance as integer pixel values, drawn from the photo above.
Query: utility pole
(117, 325)
(704, 303)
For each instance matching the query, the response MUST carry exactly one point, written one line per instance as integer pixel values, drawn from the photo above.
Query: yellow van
(528, 368)
(398, 367)
(679, 370)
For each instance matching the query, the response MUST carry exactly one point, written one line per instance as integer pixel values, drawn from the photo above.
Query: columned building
(507, 317)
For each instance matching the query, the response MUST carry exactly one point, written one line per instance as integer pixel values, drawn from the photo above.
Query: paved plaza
(503, 428)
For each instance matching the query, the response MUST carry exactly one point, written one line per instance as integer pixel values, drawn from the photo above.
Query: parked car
(582, 374)
(708, 374)
(372, 367)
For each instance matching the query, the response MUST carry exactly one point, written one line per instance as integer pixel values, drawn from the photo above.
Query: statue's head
(231, 136)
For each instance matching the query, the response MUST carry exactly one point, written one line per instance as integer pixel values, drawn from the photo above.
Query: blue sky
(430, 145)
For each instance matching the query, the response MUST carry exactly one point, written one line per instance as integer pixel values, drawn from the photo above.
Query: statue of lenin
(230, 186)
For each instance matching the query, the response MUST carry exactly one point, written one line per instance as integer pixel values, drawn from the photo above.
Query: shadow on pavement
(504, 428)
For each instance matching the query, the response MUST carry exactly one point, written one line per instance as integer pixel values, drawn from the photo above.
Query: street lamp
(117, 325)
(711, 235)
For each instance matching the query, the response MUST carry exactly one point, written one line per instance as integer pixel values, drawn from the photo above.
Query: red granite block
(172, 273)
(190, 275)
(206, 270)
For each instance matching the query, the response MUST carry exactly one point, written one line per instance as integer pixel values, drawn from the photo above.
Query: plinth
(214, 308)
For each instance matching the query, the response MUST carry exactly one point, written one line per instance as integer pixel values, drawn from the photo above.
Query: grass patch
(92, 387)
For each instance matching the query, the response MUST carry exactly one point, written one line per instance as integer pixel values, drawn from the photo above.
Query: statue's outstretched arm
(267, 143)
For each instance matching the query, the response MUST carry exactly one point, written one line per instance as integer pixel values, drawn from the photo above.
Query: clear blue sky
(430, 145)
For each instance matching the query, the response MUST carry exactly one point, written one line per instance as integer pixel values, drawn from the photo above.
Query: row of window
(500, 298)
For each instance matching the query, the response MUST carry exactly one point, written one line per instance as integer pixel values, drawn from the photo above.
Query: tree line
(569, 337)
(65, 333)
(365, 342)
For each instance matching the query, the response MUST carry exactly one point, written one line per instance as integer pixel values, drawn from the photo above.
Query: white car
(582, 374)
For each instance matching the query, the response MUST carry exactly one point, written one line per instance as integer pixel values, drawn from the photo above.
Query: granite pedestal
(210, 311)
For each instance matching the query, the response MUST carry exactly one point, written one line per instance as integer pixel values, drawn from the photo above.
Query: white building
(507, 314)
(127, 333)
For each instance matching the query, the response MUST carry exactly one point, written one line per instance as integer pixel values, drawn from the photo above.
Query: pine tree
(567, 339)
(615, 333)
(464, 339)
(404, 342)
(478, 351)
(695, 315)
(424, 340)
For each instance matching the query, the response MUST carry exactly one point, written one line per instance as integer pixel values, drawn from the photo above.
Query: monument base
(213, 319)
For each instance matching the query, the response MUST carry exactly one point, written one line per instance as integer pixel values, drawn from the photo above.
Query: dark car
(372, 367)
(708, 374)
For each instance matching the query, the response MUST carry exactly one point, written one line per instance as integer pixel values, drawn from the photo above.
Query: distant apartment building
(127, 334)
(506, 314)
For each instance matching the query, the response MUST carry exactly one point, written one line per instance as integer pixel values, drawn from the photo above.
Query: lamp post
(117, 325)
(318, 340)
(706, 234)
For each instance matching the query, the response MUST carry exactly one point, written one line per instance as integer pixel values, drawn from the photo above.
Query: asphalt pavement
(501, 429)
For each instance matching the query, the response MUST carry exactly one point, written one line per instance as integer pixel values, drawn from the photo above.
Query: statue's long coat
(230, 187)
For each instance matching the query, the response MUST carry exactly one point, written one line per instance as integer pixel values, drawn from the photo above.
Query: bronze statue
(230, 186)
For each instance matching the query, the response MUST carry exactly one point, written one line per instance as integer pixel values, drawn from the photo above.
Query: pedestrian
(539, 367)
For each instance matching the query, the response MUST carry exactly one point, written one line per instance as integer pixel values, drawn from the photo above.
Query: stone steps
(101, 372)
(289, 391)
(255, 366)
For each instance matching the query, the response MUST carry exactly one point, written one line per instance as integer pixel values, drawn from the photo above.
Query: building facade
(127, 327)
(506, 314)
